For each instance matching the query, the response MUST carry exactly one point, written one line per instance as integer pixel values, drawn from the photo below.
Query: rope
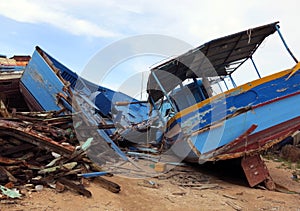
(249, 32)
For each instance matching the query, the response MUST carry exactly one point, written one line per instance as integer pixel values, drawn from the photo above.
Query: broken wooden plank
(149, 184)
(73, 186)
(29, 135)
(234, 205)
(230, 197)
(8, 174)
(3, 176)
(15, 149)
(109, 185)
(203, 186)
(40, 132)
(9, 161)
(3, 110)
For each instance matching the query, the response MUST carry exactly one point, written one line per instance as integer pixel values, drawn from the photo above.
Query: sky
(74, 31)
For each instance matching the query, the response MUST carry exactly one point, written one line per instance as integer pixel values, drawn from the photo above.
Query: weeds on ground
(285, 164)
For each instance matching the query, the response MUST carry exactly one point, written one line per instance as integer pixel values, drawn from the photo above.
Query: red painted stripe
(276, 99)
(259, 139)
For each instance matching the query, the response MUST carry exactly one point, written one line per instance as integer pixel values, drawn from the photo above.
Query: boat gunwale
(234, 91)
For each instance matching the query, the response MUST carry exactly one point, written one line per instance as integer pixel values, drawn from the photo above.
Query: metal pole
(232, 81)
(255, 67)
(164, 91)
(225, 83)
(287, 48)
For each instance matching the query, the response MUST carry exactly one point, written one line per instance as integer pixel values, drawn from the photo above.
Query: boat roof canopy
(219, 57)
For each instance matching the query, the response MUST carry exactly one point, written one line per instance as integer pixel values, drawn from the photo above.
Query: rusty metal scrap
(256, 171)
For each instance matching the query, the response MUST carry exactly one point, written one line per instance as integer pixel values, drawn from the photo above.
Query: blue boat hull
(40, 85)
(200, 133)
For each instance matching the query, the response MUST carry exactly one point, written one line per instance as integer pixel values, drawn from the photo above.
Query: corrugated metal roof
(219, 57)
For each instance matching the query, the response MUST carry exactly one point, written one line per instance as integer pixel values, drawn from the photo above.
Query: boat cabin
(201, 73)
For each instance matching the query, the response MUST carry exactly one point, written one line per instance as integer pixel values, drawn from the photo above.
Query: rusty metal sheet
(255, 170)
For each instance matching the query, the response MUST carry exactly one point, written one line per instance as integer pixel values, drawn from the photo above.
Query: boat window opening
(183, 98)
(216, 88)
(190, 94)
(198, 85)
(214, 85)
(163, 90)
(156, 109)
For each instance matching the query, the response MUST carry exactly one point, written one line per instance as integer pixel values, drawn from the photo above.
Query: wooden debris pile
(40, 149)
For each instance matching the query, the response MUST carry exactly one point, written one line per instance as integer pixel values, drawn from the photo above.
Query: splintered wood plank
(73, 186)
(3, 110)
(109, 185)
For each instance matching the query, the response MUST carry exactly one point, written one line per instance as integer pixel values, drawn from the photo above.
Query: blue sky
(74, 31)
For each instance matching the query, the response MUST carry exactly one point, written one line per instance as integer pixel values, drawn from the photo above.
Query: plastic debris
(11, 193)
(92, 174)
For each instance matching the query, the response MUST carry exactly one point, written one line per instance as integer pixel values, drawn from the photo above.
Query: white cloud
(193, 21)
(50, 13)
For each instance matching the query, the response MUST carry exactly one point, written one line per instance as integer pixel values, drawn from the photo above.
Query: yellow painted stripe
(239, 89)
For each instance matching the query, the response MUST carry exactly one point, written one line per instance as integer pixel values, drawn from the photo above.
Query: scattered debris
(149, 184)
(179, 193)
(230, 197)
(40, 148)
(168, 198)
(190, 179)
(234, 205)
(160, 167)
(295, 176)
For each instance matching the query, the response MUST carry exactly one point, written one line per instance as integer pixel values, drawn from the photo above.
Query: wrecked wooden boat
(204, 124)
(98, 112)
(47, 84)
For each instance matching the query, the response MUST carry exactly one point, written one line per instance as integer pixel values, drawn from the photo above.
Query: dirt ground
(220, 191)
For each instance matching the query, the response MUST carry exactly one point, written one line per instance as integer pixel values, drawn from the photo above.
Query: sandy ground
(222, 193)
